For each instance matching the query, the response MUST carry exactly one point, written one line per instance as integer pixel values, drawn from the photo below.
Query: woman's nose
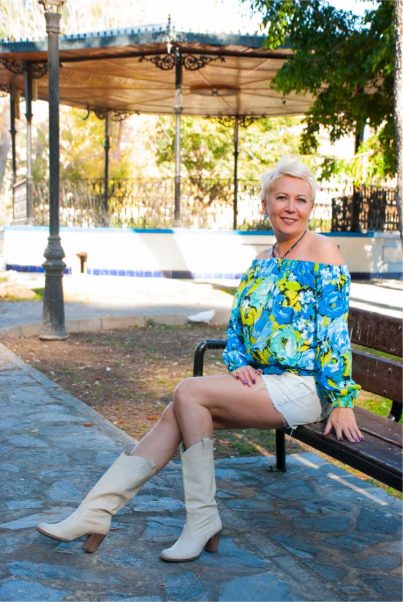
(290, 206)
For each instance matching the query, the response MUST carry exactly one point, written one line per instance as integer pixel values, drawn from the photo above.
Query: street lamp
(53, 327)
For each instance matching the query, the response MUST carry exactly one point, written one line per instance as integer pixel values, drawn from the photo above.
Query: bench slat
(380, 375)
(372, 456)
(385, 336)
(388, 430)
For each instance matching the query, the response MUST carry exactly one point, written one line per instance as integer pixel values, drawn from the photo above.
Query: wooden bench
(380, 454)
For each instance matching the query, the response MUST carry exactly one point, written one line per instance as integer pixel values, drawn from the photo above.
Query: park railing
(366, 208)
(205, 203)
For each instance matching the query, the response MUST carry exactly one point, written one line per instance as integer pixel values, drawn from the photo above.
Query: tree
(345, 61)
(399, 105)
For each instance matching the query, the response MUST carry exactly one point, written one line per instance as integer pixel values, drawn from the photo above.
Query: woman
(289, 361)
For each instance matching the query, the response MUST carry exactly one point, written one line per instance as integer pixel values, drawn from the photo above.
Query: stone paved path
(314, 533)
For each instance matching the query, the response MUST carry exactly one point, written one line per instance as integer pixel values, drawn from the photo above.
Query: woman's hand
(342, 420)
(246, 375)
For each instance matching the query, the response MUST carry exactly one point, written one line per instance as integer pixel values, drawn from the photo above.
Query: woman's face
(289, 205)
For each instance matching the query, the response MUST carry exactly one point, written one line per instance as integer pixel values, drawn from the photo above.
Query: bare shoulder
(324, 250)
(264, 254)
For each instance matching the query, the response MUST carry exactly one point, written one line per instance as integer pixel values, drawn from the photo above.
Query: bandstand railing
(205, 203)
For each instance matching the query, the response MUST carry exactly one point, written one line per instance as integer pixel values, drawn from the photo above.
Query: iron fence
(205, 203)
(367, 208)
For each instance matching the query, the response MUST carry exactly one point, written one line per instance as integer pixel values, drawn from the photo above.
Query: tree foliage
(345, 61)
(208, 145)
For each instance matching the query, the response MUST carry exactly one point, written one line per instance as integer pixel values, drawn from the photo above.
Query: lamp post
(53, 327)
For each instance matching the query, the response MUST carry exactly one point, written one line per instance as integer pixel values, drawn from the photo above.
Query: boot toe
(49, 530)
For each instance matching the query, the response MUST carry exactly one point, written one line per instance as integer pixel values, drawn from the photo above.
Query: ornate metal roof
(131, 70)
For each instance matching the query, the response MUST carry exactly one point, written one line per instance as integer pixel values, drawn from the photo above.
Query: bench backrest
(379, 375)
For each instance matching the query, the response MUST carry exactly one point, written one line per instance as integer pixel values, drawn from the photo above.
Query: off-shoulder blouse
(291, 315)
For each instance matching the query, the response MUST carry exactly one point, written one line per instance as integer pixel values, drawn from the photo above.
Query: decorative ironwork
(244, 120)
(164, 62)
(113, 115)
(189, 61)
(16, 67)
(193, 63)
(367, 208)
(38, 70)
(122, 115)
(4, 90)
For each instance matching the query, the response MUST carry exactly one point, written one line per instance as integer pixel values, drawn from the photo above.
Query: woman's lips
(288, 220)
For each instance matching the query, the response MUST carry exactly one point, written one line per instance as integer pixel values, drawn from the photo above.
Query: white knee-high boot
(203, 524)
(113, 490)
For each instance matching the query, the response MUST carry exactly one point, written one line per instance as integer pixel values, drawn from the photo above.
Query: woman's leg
(161, 442)
(205, 403)
(118, 485)
(200, 405)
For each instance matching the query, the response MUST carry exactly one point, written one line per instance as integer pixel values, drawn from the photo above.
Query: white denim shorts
(295, 397)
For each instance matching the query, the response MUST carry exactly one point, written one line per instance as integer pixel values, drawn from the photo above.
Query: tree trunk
(399, 107)
(4, 144)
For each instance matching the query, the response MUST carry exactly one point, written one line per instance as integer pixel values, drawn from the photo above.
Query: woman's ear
(264, 209)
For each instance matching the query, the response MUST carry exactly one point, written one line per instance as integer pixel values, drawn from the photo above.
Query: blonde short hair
(289, 166)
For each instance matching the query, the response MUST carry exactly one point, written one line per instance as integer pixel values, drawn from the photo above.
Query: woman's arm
(333, 351)
(235, 354)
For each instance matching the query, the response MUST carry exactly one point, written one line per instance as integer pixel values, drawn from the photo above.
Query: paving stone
(29, 521)
(355, 542)
(249, 505)
(297, 546)
(330, 572)
(26, 441)
(23, 504)
(21, 590)
(378, 563)
(386, 588)
(156, 504)
(256, 588)
(10, 468)
(185, 587)
(163, 529)
(232, 557)
(378, 521)
(116, 596)
(325, 524)
(62, 491)
(48, 571)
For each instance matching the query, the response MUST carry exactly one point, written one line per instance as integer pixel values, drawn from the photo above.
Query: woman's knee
(186, 392)
(168, 415)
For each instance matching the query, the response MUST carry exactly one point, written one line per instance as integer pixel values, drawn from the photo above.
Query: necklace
(288, 250)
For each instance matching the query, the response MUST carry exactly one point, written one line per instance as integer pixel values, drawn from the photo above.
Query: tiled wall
(182, 253)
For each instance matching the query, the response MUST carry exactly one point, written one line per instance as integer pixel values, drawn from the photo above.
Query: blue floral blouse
(291, 316)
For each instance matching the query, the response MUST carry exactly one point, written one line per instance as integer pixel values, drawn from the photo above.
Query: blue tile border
(184, 274)
(177, 274)
(38, 269)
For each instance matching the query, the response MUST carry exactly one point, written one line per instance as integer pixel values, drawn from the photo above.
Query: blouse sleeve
(234, 354)
(333, 351)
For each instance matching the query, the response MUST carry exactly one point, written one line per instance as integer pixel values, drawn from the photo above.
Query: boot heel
(92, 542)
(212, 544)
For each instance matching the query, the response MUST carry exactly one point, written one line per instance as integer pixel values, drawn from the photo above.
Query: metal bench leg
(281, 463)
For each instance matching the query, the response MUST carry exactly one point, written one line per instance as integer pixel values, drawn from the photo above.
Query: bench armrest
(201, 348)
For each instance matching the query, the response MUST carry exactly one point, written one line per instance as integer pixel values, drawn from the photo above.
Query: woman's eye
(302, 200)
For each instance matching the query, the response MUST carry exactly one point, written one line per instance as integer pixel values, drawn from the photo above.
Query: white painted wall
(200, 251)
